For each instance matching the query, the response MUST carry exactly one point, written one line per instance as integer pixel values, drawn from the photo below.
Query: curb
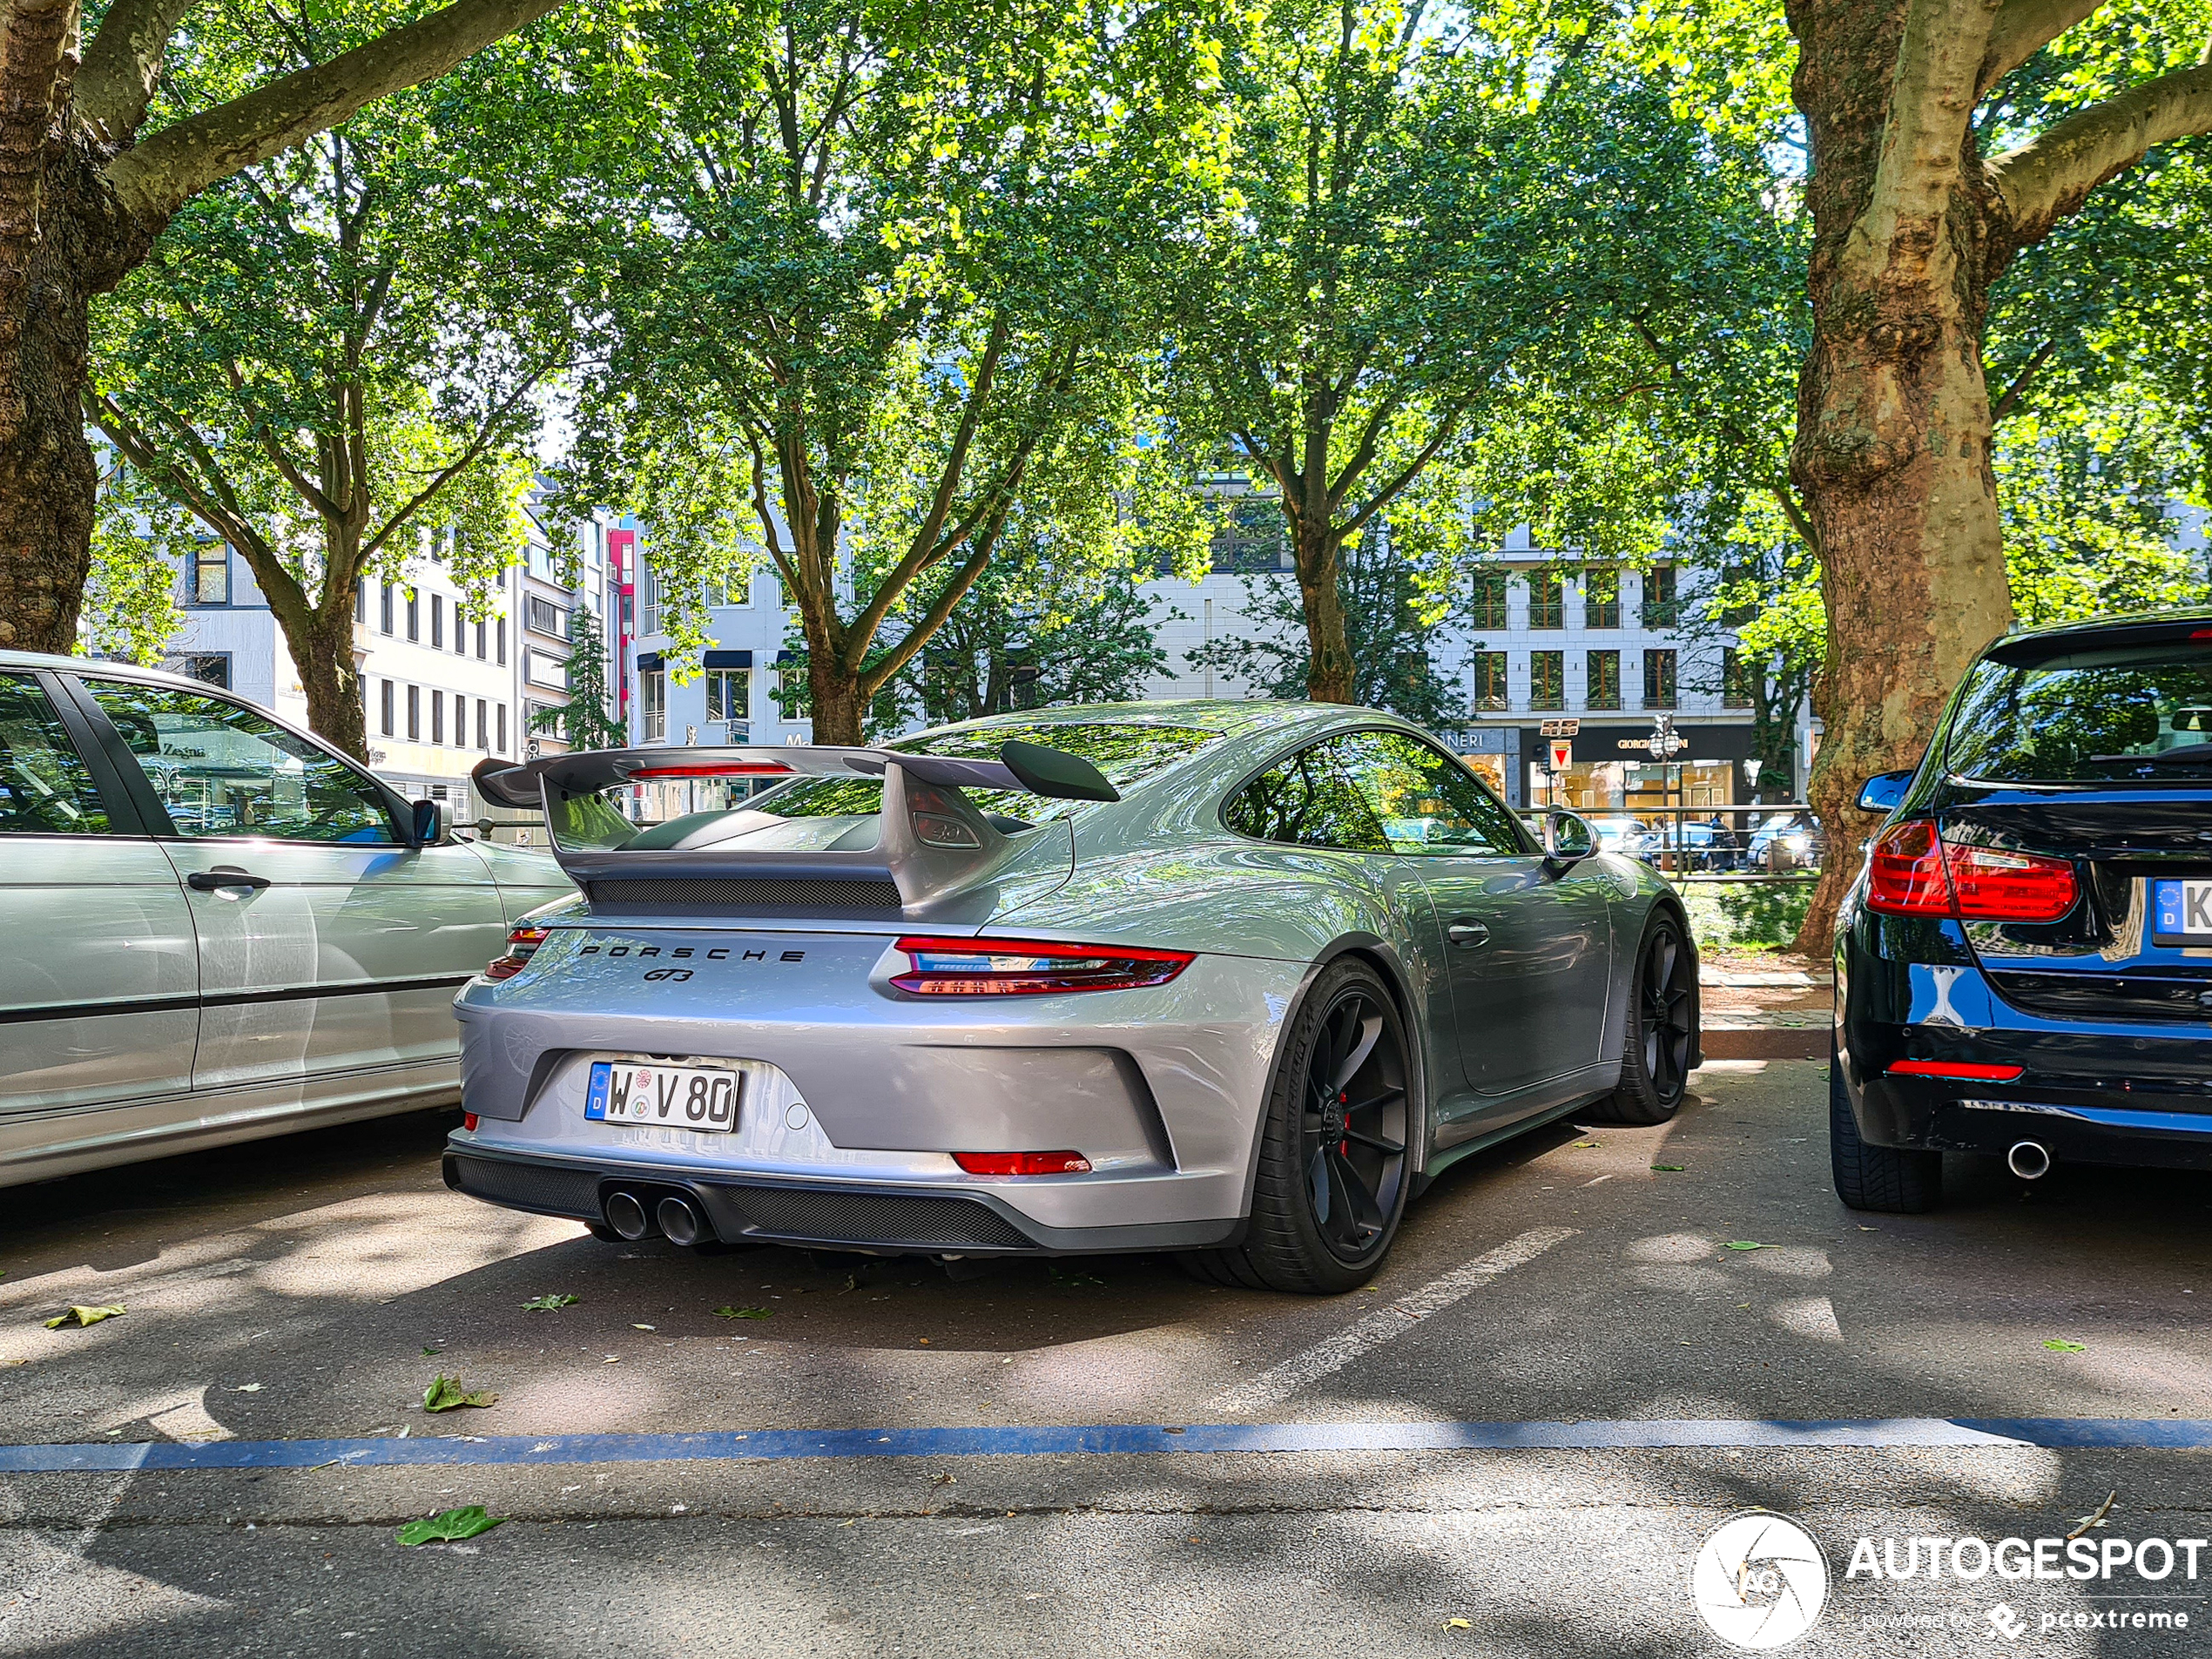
(1765, 1042)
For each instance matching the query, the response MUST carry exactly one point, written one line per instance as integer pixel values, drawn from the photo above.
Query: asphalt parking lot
(310, 1289)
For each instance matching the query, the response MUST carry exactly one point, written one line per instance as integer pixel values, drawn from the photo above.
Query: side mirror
(430, 823)
(1881, 792)
(1568, 836)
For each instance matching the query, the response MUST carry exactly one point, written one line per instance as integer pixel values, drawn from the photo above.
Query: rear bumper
(904, 1217)
(1948, 1118)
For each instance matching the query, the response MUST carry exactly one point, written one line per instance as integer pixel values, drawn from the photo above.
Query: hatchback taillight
(1030, 966)
(522, 944)
(1910, 872)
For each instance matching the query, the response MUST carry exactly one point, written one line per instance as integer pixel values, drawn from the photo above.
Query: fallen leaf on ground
(1584, 1146)
(1745, 1243)
(743, 1313)
(1458, 1624)
(2083, 1523)
(545, 1304)
(1670, 1169)
(2060, 1345)
(1059, 1277)
(444, 1393)
(452, 1524)
(82, 1316)
(642, 1328)
(247, 1388)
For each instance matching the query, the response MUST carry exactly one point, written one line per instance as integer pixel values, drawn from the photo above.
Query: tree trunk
(1318, 550)
(1894, 432)
(82, 245)
(836, 698)
(323, 652)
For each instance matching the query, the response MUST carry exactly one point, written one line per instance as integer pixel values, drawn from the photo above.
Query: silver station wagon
(217, 926)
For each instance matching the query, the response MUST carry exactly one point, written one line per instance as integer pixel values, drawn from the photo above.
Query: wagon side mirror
(429, 825)
(1569, 837)
(1881, 792)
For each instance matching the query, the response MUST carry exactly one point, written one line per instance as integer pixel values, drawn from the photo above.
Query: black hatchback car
(2024, 968)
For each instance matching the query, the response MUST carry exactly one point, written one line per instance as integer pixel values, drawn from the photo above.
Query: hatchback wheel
(1332, 1178)
(1900, 1180)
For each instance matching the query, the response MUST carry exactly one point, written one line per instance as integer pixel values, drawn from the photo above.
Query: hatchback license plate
(700, 1097)
(2181, 912)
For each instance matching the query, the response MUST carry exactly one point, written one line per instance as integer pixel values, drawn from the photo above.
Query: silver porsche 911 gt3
(1231, 980)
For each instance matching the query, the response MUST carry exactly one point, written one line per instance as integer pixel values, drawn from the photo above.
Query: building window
(648, 601)
(1659, 680)
(501, 746)
(1490, 680)
(210, 574)
(1547, 603)
(208, 667)
(361, 600)
(480, 639)
(384, 607)
(653, 687)
(437, 622)
(543, 616)
(503, 641)
(385, 708)
(1490, 589)
(543, 668)
(414, 614)
(1660, 610)
(1547, 679)
(483, 726)
(1736, 680)
(729, 693)
(414, 714)
(1602, 600)
(1603, 688)
(438, 716)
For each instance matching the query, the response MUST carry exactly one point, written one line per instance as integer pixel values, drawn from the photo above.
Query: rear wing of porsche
(933, 840)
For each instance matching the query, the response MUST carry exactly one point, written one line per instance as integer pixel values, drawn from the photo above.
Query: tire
(1334, 1153)
(1896, 1180)
(1661, 1028)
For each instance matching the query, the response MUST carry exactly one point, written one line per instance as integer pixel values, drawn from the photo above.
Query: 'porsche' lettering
(794, 956)
(755, 956)
(718, 955)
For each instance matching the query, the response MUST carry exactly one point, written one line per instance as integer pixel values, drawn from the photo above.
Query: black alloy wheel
(1662, 1026)
(1335, 1164)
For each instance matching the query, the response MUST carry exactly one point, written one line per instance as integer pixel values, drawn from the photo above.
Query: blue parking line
(1117, 1439)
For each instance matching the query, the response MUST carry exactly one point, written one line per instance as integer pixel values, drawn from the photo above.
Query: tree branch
(1931, 101)
(2045, 179)
(445, 475)
(176, 164)
(1384, 497)
(123, 66)
(2004, 405)
(2022, 29)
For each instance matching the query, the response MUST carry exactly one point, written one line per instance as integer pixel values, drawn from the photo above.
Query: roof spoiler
(933, 840)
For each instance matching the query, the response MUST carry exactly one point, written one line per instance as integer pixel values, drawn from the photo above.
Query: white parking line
(1385, 1324)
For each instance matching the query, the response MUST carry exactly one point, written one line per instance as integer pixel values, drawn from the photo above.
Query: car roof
(2124, 628)
(81, 664)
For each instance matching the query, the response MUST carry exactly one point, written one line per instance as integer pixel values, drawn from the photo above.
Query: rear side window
(2137, 714)
(224, 770)
(1307, 800)
(45, 789)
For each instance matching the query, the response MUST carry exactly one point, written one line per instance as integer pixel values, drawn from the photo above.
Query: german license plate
(2180, 912)
(700, 1097)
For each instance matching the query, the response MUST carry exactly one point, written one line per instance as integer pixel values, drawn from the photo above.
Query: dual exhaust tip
(675, 1218)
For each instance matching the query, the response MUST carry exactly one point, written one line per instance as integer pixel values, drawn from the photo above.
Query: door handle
(1467, 935)
(211, 881)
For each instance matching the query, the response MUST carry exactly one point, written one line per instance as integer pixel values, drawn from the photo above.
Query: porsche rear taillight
(522, 944)
(1913, 872)
(1022, 1163)
(1030, 966)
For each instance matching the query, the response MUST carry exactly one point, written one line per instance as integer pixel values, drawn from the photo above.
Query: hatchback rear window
(2124, 714)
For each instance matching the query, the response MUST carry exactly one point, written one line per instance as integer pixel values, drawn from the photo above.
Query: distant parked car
(218, 926)
(1786, 841)
(1630, 837)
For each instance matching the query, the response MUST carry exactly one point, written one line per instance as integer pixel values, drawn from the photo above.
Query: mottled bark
(1318, 550)
(322, 648)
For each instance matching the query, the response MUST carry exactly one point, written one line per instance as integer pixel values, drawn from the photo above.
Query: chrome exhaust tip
(627, 1216)
(2030, 1160)
(680, 1222)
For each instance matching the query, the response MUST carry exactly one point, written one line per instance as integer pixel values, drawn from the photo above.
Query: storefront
(1612, 769)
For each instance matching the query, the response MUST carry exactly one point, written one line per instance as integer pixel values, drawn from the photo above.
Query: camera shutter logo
(1759, 1581)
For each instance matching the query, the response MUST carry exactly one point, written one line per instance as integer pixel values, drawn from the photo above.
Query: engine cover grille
(746, 895)
(926, 1221)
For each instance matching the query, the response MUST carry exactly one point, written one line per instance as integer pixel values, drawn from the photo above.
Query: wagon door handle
(1467, 935)
(211, 881)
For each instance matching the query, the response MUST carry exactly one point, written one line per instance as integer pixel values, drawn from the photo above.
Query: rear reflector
(1030, 966)
(1022, 1163)
(469, 1122)
(522, 944)
(1966, 1069)
(1911, 873)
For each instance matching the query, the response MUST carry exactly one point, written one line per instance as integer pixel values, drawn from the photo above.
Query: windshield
(2134, 714)
(841, 815)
